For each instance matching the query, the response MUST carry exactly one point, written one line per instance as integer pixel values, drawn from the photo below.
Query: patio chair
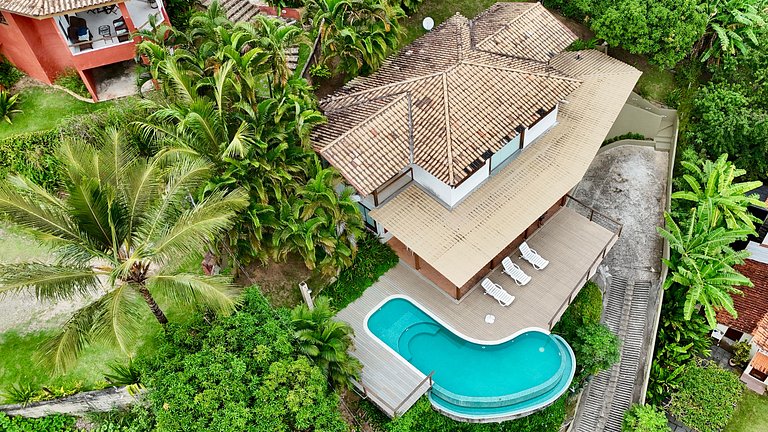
(497, 292)
(515, 272)
(533, 257)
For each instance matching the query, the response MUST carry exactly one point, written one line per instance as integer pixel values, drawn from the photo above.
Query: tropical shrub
(741, 353)
(581, 44)
(422, 418)
(645, 418)
(664, 30)
(8, 105)
(9, 75)
(320, 71)
(127, 230)
(32, 155)
(373, 259)
(70, 80)
(253, 123)
(594, 346)
(135, 418)
(733, 28)
(628, 135)
(726, 118)
(242, 372)
(706, 397)
(326, 341)
(596, 349)
(51, 423)
(356, 35)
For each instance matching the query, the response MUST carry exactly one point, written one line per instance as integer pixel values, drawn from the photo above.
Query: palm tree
(275, 37)
(124, 226)
(713, 181)
(326, 341)
(733, 26)
(702, 262)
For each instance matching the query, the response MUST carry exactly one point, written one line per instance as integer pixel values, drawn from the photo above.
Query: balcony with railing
(106, 26)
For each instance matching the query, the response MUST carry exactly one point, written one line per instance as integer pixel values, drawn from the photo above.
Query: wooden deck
(573, 245)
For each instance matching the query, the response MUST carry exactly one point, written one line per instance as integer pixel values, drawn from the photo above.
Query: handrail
(593, 211)
(584, 280)
(428, 377)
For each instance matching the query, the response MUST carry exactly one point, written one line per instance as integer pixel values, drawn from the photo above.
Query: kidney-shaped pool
(476, 381)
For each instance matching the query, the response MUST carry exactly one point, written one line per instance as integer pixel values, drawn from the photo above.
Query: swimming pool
(471, 380)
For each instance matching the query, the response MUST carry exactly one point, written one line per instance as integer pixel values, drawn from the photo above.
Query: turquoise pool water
(473, 380)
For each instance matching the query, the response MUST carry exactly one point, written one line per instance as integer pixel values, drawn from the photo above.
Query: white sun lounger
(496, 291)
(530, 255)
(515, 272)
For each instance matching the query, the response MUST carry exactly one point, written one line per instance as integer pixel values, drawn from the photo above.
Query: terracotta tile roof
(459, 242)
(752, 307)
(44, 8)
(760, 362)
(460, 100)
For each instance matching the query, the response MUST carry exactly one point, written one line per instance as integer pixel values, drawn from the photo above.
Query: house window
(758, 374)
(2, 19)
(369, 222)
(733, 334)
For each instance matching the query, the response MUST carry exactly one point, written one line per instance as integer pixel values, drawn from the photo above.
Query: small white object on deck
(307, 294)
(490, 319)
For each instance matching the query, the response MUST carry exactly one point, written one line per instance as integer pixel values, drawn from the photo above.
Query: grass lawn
(440, 10)
(751, 414)
(655, 84)
(43, 108)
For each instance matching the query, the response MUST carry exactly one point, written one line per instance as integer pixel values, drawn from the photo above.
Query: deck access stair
(609, 394)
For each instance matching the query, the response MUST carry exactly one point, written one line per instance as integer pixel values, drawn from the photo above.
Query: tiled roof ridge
(448, 138)
(560, 75)
(506, 26)
(333, 99)
(367, 119)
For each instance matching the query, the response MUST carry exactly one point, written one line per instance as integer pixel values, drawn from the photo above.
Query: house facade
(751, 325)
(46, 37)
(470, 139)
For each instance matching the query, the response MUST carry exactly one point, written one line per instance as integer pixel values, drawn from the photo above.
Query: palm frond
(48, 281)
(215, 292)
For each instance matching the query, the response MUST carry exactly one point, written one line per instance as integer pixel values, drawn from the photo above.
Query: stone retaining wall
(77, 405)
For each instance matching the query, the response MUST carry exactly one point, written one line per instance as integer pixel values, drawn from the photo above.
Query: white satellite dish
(428, 23)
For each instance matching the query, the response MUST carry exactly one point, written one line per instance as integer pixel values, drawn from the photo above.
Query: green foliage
(422, 418)
(751, 414)
(326, 341)
(253, 122)
(644, 418)
(242, 372)
(734, 27)
(32, 155)
(628, 135)
(9, 75)
(131, 215)
(180, 11)
(51, 423)
(707, 397)
(19, 393)
(357, 35)
(581, 44)
(726, 119)
(596, 349)
(8, 105)
(70, 80)
(593, 344)
(410, 6)
(663, 30)
(373, 260)
(742, 353)
(136, 418)
(320, 71)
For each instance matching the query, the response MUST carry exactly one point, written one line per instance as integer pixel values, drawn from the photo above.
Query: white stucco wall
(539, 128)
(432, 184)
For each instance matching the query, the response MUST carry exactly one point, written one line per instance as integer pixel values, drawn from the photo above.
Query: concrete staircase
(610, 392)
